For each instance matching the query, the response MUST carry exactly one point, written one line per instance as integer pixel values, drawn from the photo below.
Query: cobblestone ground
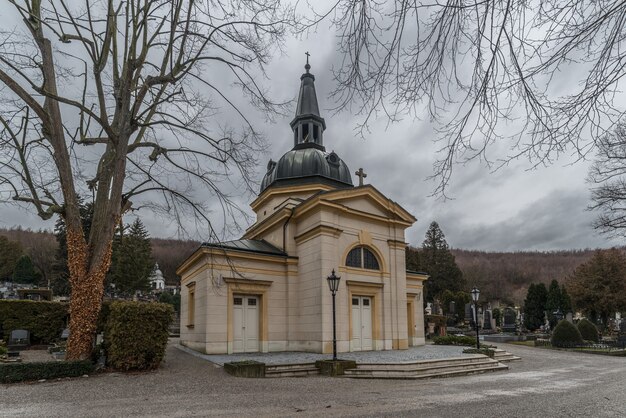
(426, 352)
(545, 383)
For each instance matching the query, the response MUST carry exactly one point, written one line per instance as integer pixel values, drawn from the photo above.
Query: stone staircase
(504, 356)
(425, 369)
(291, 370)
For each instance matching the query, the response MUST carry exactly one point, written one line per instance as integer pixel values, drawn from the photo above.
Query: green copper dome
(305, 165)
(308, 162)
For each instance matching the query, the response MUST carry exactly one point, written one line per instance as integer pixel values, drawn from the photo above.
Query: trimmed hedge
(136, 334)
(20, 372)
(454, 340)
(565, 335)
(588, 330)
(44, 320)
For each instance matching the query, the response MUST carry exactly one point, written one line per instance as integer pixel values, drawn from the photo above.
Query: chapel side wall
(305, 325)
(193, 335)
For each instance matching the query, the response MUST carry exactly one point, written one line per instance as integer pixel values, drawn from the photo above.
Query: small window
(238, 301)
(315, 132)
(305, 133)
(362, 257)
(252, 302)
(369, 260)
(354, 258)
(366, 302)
(355, 301)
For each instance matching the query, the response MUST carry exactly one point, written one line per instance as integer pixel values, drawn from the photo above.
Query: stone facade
(268, 291)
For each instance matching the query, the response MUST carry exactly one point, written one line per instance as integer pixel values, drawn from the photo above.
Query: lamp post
(475, 294)
(333, 284)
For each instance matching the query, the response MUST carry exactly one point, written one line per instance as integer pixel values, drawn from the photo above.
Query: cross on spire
(307, 67)
(361, 175)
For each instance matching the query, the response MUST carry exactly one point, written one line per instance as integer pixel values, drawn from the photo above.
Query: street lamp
(333, 284)
(475, 294)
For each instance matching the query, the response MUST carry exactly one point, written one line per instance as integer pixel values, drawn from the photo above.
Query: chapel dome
(307, 164)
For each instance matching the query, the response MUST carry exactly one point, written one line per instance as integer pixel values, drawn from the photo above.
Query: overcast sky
(507, 210)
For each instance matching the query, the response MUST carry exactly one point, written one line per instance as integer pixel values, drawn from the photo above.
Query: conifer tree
(553, 302)
(436, 259)
(10, 252)
(132, 262)
(566, 301)
(24, 271)
(535, 306)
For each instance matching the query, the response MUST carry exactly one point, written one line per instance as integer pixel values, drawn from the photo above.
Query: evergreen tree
(24, 271)
(553, 302)
(566, 301)
(10, 252)
(436, 259)
(132, 262)
(60, 273)
(535, 306)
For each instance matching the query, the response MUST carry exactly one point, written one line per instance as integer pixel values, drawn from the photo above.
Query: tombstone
(437, 308)
(509, 320)
(569, 317)
(468, 312)
(452, 308)
(19, 339)
(65, 334)
(487, 320)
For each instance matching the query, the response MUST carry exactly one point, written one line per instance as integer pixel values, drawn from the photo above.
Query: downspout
(285, 229)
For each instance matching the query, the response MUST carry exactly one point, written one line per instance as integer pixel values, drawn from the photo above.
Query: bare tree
(115, 99)
(608, 178)
(487, 71)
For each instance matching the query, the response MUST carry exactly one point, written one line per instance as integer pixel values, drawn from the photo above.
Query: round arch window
(362, 257)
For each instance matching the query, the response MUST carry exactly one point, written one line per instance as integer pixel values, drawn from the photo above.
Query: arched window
(362, 257)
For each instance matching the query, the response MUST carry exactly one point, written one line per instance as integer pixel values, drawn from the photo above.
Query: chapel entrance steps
(456, 366)
(424, 369)
(504, 356)
(291, 370)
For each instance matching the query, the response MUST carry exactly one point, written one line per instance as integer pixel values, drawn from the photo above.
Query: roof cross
(307, 67)
(361, 175)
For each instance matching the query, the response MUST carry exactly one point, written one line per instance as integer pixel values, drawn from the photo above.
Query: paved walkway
(545, 383)
(425, 352)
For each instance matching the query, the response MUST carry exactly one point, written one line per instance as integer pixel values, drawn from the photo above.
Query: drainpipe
(285, 229)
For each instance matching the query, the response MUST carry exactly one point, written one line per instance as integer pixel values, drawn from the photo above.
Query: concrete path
(544, 383)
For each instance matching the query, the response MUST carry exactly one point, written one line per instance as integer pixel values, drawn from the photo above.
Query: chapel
(268, 291)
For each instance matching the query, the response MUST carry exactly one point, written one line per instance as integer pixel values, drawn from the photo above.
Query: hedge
(566, 334)
(44, 320)
(136, 334)
(20, 372)
(454, 340)
(587, 330)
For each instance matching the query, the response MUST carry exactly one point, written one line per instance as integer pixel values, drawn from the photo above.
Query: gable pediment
(366, 200)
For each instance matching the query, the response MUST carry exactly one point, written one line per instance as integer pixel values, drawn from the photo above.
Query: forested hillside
(506, 276)
(503, 276)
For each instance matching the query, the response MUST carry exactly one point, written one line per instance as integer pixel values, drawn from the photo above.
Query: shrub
(19, 372)
(44, 320)
(588, 330)
(566, 335)
(136, 334)
(454, 340)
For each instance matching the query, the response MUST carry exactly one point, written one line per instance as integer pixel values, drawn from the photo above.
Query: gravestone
(19, 339)
(570, 317)
(487, 320)
(508, 322)
(452, 308)
(468, 312)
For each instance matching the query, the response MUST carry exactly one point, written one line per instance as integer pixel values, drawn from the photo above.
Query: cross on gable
(361, 175)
